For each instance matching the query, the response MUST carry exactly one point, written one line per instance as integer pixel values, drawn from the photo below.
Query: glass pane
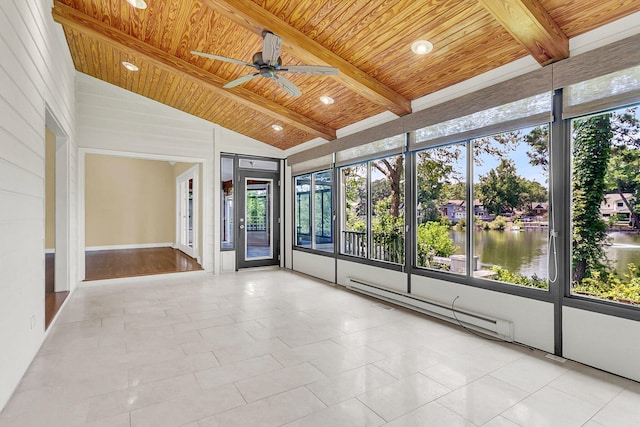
(387, 209)
(354, 210)
(268, 165)
(226, 194)
(605, 185)
(441, 198)
(371, 148)
(514, 110)
(258, 219)
(303, 209)
(605, 86)
(511, 202)
(323, 210)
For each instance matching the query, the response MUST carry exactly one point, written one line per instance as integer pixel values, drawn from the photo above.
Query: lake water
(526, 251)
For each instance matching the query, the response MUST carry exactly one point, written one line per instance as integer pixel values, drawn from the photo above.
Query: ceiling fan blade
(271, 48)
(240, 80)
(309, 69)
(222, 58)
(287, 85)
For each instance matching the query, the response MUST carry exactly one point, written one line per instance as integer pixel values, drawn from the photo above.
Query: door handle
(241, 226)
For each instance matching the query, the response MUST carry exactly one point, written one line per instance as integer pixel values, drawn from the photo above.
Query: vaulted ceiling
(369, 41)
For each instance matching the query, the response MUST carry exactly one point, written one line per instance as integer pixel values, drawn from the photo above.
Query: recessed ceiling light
(276, 127)
(138, 4)
(129, 66)
(422, 47)
(326, 100)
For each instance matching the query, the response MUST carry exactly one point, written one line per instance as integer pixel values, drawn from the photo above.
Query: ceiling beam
(72, 18)
(529, 23)
(251, 16)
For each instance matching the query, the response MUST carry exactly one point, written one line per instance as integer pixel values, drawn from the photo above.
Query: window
(314, 211)
(303, 211)
(226, 195)
(441, 208)
(605, 252)
(372, 204)
(387, 209)
(323, 210)
(354, 210)
(506, 215)
(511, 207)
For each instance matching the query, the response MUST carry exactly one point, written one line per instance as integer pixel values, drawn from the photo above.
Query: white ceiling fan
(269, 64)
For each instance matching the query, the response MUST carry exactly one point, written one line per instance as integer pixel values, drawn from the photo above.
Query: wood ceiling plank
(529, 23)
(251, 16)
(576, 17)
(83, 23)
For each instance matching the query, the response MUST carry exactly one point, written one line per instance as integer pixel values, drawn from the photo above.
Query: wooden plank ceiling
(368, 40)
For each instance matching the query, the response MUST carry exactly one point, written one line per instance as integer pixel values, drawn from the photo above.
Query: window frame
(312, 219)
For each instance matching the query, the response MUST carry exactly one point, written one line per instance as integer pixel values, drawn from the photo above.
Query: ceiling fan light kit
(268, 63)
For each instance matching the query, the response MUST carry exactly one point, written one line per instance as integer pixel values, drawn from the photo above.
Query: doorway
(258, 213)
(187, 212)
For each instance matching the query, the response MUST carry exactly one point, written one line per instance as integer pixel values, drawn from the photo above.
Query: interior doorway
(56, 217)
(187, 212)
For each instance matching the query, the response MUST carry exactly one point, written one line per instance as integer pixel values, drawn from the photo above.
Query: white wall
(606, 342)
(35, 71)
(322, 267)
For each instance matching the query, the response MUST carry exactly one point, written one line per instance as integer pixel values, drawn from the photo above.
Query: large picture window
(605, 253)
(506, 216)
(314, 211)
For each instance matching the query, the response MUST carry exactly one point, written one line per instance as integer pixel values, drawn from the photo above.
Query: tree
(500, 190)
(538, 140)
(393, 170)
(591, 154)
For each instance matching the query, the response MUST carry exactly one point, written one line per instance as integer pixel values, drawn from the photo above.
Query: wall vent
(498, 328)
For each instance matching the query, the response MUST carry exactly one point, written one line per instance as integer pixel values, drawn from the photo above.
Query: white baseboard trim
(50, 251)
(133, 246)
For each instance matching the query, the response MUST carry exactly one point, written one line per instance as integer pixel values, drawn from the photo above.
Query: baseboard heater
(498, 328)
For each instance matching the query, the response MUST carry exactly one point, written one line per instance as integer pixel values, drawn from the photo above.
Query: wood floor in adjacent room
(112, 264)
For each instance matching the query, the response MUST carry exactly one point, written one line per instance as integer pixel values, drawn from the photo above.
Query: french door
(258, 225)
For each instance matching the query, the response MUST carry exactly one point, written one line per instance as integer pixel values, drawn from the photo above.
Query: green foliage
(591, 153)
(388, 231)
(506, 276)
(500, 223)
(460, 225)
(611, 287)
(433, 240)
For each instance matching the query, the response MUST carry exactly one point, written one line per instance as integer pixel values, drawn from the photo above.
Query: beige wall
(50, 189)
(128, 201)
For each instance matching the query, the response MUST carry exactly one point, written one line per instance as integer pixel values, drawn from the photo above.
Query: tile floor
(272, 348)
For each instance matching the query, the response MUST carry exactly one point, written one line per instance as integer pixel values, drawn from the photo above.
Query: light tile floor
(271, 348)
